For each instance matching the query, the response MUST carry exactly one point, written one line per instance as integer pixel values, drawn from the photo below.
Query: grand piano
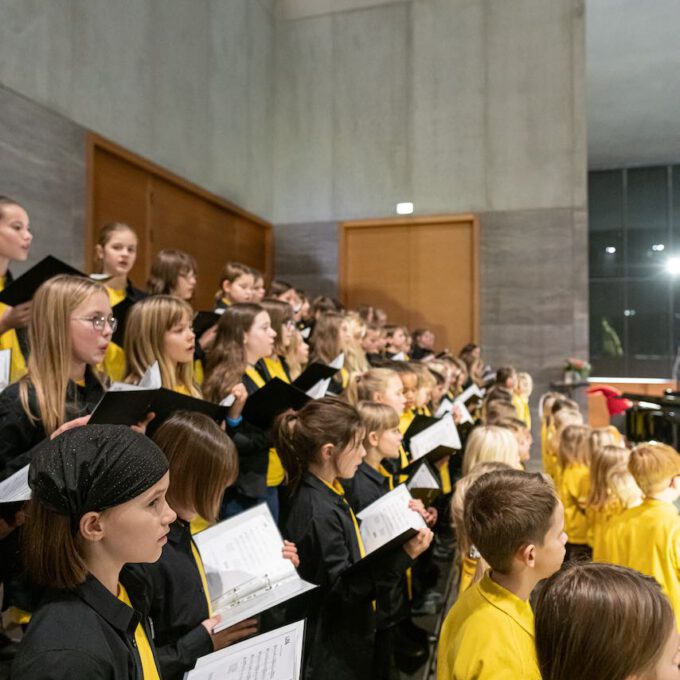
(653, 418)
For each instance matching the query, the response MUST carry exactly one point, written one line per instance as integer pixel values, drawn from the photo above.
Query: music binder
(277, 396)
(24, 287)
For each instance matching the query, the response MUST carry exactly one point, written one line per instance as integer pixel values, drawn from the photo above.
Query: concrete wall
(187, 84)
(456, 105)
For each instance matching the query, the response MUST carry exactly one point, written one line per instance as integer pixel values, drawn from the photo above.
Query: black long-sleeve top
(340, 633)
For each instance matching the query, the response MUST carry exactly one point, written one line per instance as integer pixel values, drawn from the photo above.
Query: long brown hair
(298, 436)
(203, 462)
(226, 362)
(167, 267)
(49, 333)
(325, 339)
(280, 313)
(601, 622)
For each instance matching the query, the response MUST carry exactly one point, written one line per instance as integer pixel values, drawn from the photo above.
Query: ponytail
(298, 437)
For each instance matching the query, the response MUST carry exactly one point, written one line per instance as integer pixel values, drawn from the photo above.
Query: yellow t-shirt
(468, 569)
(574, 489)
(598, 520)
(647, 538)
(488, 635)
(275, 472)
(149, 669)
(9, 340)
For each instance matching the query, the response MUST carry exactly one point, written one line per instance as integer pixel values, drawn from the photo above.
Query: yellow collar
(517, 609)
(336, 487)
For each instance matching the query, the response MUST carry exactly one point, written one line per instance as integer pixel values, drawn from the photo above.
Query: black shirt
(178, 604)
(19, 433)
(84, 633)
(340, 632)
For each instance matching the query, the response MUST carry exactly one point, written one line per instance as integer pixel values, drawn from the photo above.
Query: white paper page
(5, 363)
(423, 479)
(388, 517)
(276, 655)
(338, 362)
(319, 390)
(472, 391)
(228, 400)
(15, 488)
(244, 565)
(445, 406)
(465, 416)
(399, 356)
(442, 433)
(219, 311)
(305, 333)
(100, 277)
(151, 380)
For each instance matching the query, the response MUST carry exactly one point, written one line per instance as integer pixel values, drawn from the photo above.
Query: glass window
(607, 341)
(605, 197)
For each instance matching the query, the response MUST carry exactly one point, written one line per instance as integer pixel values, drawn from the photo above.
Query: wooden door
(423, 271)
(169, 212)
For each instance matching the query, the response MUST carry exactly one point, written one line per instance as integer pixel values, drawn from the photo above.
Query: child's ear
(326, 452)
(527, 555)
(99, 252)
(675, 482)
(91, 526)
(373, 439)
(226, 286)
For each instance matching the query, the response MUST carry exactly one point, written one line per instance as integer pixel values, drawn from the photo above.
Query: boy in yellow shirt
(516, 522)
(647, 537)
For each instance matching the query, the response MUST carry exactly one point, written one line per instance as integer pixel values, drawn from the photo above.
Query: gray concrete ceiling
(633, 82)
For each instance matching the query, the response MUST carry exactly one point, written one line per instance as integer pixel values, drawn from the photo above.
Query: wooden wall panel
(422, 271)
(169, 212)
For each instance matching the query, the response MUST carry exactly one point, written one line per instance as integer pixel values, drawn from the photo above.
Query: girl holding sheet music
(244, 338)
(15, 243)
(329, 338)
(319, 445)
(71, 325)
(203, 463)
(159, 329)
(115, 255)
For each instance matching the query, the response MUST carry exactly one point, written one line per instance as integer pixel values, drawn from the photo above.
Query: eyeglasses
(98, 321)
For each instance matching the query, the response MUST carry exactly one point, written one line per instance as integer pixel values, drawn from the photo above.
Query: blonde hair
(654, 465)
(525, 384)
(376, 418)
(573, 449)
(49, 334)
(355, 357)
(424, 375)
(604, 459)
(545, 404)
(147, 323)
(624, 486)
(496, 410)
(458, 502)
(294, 364)
(203, 462)
(364, 387)
(488, 443)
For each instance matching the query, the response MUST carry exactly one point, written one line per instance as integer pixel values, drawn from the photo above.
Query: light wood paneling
(166, 211)
(423, 271)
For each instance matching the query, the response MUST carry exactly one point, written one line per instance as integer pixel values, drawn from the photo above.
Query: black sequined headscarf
(93, 468)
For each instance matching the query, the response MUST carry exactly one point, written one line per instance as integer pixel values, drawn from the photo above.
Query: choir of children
(110, 583)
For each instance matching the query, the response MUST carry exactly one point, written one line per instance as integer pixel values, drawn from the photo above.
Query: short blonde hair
(525, 384)
(654, 465)
(364, 387)
(489, 443)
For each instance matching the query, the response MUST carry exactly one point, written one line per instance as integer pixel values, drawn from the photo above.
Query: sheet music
(445, 406)
(472, 391)
(151, 380)
(319, 390)
(15, 488)
(388, 517)
(442, 433)
(228, 400)
(338, 362)
(465, 416)
(5, 364)
(305, 333)
(244, 566)
(276, 655)
(423, 479)
(399, 356)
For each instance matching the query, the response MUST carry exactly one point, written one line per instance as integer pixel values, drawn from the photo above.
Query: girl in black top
(98, 503)
(318, 445)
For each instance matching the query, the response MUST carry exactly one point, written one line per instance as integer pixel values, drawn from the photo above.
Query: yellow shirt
(468, 569)
(198, 524)
(574, 489)
(275, 472)
(113, 363)
(488, 635)
(201, 571)
(182, 389)
(149, 669)
(548, 455)
(598, 520)
(9, 340)
(276, 369)
(647, 538)
(519, 406)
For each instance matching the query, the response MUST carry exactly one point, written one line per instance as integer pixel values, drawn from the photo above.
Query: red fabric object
(611, 394)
